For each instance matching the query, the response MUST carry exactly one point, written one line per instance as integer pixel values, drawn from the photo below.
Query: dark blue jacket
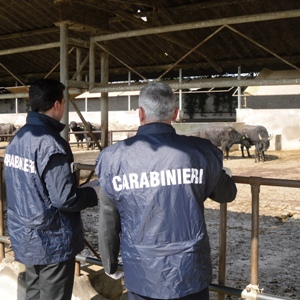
(44, 203)
(153, 190)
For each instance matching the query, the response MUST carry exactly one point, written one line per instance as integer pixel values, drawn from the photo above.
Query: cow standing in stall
(93, 127)
(6, 129)
(76, 128)
(224, 137)
(259, 137)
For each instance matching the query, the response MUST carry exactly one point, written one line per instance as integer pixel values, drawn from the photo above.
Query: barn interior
(117, 46)
(152, 40)
(112, 46)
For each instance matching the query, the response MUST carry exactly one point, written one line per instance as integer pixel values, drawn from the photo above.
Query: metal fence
(112, 138)
(250, 292)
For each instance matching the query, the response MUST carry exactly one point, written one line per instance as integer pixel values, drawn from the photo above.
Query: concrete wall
(13, 105)
(282, 124)
(196, 128)
(120, 103)
(117, 119)
(16, 119)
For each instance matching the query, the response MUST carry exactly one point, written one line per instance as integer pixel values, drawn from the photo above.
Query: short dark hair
(44, 92)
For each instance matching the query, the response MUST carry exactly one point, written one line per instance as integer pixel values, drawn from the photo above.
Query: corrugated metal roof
(261, 34)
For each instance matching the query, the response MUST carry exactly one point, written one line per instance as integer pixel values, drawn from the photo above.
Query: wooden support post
(64, 66)
(104, 100)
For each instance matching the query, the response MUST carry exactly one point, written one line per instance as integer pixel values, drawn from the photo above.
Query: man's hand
(116, 276)
(228, 171)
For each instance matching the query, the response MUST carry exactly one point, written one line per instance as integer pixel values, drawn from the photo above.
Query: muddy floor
(279, 225)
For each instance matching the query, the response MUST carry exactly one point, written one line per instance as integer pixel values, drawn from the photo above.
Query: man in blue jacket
(44, 202)
(153, 188)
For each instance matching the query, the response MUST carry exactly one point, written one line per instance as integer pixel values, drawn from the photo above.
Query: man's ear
(175, 114)
(56, 104)
(142, 115)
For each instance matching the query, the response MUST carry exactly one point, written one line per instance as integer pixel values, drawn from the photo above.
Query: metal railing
(251, 291)
(111, 137)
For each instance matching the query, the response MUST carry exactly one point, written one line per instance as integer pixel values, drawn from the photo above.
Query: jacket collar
(155, 128)
(35, 118)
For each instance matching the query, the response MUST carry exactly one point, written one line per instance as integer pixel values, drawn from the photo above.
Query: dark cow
(6, 129)
(76, 128)
(88, 138)
(224, 137)
(259, 137)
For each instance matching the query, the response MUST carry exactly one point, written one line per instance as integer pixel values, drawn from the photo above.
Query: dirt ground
(279, 224)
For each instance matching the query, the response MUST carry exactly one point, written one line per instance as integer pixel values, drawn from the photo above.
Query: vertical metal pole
(255, 189)
(222, 247)
(16, 102)
(110, 139)
(239, 88)
(77, 268)
(64, 66)
(16, 105)
(129, 79)
(2, 245)
(86, 99)
(92, 65)
(180, 91)
(78, 62)
(104, 100)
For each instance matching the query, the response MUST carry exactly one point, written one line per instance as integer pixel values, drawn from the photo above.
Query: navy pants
(50, 282)
(203, 295)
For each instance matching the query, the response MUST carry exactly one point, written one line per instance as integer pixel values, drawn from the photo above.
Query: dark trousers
(50, 282)
(203, 295)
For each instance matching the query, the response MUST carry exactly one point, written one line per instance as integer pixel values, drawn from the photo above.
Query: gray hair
(158, 101)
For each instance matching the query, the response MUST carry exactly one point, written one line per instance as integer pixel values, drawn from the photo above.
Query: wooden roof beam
(201, 24)
(201, 83)
(29, 33)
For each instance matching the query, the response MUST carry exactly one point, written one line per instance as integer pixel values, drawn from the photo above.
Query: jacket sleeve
(62, 187)
(225, 189)
(109, 233)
